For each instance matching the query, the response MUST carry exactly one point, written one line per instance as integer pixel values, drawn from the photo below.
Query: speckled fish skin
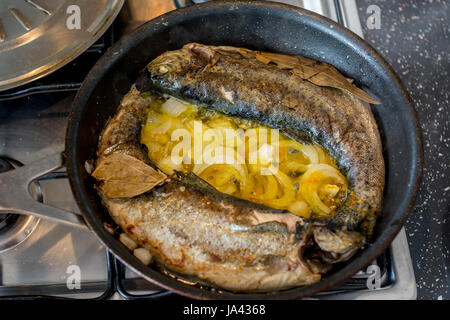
(197, 234)
(248, 88)
(220, 240)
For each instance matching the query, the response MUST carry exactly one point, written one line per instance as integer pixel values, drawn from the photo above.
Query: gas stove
(39, 258)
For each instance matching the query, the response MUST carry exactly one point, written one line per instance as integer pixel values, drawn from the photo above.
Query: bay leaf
(316, 72)
(319, 73)
(124, 176)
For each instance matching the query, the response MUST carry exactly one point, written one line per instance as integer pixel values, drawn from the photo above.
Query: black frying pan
(260, 26)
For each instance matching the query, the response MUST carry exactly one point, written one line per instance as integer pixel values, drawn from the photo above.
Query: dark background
(413, 38)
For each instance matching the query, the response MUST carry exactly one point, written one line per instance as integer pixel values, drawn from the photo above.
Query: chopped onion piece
(127, 241)
(143, 254)
(168, 166)
(173, 107)
(162, 127)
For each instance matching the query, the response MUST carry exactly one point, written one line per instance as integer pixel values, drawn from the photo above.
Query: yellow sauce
(243, 158)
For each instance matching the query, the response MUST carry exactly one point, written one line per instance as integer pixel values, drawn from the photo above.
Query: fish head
(168, 69)
(192, 57)
(170, 62)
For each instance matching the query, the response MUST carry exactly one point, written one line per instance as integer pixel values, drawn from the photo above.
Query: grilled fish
(228, 242)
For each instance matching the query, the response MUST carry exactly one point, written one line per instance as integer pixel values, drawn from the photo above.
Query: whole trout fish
(231, 243)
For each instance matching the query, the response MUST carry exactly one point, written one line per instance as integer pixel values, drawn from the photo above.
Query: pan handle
(15, 196)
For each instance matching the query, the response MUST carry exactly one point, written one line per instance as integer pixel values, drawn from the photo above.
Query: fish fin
(209, 55)
(195, 181)
(289, 219)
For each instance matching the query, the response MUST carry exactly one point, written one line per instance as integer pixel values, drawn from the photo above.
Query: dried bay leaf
(316, 72)
(319, 73)
(124, 176)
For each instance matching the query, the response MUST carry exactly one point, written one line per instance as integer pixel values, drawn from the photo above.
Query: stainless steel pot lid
(39, 36)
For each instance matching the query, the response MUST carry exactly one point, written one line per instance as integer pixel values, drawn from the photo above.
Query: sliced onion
(311, 153)
(221, 174)
(265, 184)
(308, 150)
(311, 181)
(329, 189)
(293, 166)
(162, 127)
(300, 208)
(323, 158)
(270, 188)
(229, 188)
(288, 189)
(168, 166)
(241, 169)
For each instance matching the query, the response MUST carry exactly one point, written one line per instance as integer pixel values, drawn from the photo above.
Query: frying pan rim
(118, 50)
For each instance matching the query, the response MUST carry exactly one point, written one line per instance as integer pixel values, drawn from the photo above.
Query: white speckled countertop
(414, 38)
